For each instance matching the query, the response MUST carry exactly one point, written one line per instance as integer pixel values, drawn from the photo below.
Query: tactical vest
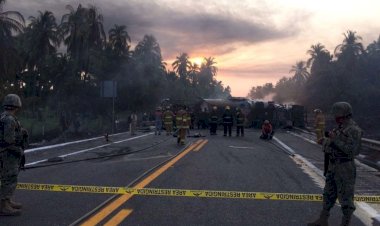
(18, 134)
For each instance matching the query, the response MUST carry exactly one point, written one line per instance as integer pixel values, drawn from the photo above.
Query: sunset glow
(197, 60)
(252, 41)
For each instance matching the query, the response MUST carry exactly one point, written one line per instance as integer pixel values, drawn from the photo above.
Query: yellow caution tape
(185, 193)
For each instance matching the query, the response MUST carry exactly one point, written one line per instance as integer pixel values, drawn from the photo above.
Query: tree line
(351, 73)
(61, 64)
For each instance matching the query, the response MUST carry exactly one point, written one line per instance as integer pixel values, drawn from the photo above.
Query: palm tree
(315, 51)
(43, 38)
(148, 51)
(181, 65)
(119, 39)
(83, 32)
(11, 22)
(209, 67)
(350, 46)
(319, 58)
(300, 72)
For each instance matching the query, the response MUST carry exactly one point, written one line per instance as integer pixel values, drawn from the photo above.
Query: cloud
(212, 31)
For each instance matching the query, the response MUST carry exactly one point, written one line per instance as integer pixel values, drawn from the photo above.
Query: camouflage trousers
(9, 169)
(340, 184)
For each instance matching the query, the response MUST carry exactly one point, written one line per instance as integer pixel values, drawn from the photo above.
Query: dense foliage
(351, 73)
(60, 64)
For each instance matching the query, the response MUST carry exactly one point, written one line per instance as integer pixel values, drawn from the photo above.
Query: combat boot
(346, 220)
(14, 205)
(322, 220)
(7, 210)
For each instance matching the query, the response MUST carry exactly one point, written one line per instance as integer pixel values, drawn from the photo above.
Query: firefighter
(168, 116)
(227, 121)
(182, 125)
(213, 120)
(319, 123)
(239, 122)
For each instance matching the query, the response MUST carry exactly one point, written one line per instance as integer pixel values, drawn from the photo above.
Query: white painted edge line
(89, 149)
(284, 146)
(364, 206)
(68, 143)
(360, 156)
(241, 147)
(304, 138)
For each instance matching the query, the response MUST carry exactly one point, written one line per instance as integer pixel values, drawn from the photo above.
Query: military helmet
(12, 100)
(342, 109)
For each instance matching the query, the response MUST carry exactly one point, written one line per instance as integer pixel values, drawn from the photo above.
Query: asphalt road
(223, 163)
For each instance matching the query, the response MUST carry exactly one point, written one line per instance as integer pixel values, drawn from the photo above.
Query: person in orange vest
(267, 130)
(168, 116)
(319, 124)
(182, 125)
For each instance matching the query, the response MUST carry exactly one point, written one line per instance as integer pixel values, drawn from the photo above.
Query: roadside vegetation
(57, 66)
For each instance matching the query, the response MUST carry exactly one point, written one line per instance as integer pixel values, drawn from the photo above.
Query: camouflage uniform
(11, 153)
(342, 148)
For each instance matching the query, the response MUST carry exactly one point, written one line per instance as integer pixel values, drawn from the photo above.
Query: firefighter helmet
(12, 101)
(342, 109)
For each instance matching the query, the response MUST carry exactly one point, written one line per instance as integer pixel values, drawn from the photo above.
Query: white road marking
(304, 138)
(67, 143)
(364, 212)
(89, 149)
(241, 147)
(286, 147)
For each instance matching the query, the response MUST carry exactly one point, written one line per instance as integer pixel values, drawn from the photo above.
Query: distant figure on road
(213, 120)
(266, 130)
(168, 116)
(158, 121)
(319, 123)
(182, 125)
(239, 122)
(342, 145)
(11, 154)
(227, 121)
(133, 124)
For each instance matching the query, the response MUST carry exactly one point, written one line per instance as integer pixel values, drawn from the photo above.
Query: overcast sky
(253, 41)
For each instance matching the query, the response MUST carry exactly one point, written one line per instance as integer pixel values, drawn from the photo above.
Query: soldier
(342, 144)
(239, 122)
(11, 154)
(319, 123)
(213, 120)
(182, 125)
(227, 121)
(168, 120)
